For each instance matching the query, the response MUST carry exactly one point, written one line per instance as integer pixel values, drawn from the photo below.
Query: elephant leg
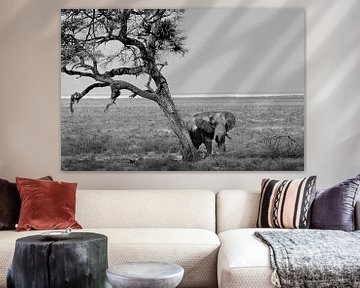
(208, 145)
(196, 138)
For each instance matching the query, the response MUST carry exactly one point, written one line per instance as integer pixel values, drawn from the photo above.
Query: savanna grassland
(134, 135)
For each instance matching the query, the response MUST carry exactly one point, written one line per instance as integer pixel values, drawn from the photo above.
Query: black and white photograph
(210, 89)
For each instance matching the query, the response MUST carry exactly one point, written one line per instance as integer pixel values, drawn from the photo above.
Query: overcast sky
(255, 50)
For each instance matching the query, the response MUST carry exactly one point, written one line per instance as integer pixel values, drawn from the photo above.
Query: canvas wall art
(182, 90)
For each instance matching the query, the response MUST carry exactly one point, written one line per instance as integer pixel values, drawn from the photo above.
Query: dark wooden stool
(78, 261)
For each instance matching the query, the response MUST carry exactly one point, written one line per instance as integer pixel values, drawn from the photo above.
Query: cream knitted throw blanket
(313, 258)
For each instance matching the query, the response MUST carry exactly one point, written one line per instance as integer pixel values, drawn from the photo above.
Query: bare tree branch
(136, 71)
(115, 93)
(76, 97)
(121, 84)
(77, 73)
(126, 40)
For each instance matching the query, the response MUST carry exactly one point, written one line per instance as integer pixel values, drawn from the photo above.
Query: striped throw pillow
(286, 204)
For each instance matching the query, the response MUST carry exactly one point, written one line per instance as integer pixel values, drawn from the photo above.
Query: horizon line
(199, 95)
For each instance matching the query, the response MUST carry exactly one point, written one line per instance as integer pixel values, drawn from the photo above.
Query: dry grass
(134, 135)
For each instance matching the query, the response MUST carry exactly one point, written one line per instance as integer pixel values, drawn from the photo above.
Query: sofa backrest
(236, 209)
(146, 209)
(239, 209)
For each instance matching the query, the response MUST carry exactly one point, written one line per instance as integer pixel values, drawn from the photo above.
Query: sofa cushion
(236, 209)
(244, 261)
(334, 208)
(194, 249)
(153, 209)
(286, 204)
(46, 204)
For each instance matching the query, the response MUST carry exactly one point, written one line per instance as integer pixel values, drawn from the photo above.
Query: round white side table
(145, 275)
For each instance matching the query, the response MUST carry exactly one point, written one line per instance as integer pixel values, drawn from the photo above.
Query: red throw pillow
(46, 204)
(10, 204)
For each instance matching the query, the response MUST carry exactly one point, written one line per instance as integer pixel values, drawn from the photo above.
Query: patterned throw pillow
(286, 204)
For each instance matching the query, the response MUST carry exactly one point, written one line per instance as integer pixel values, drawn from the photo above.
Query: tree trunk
(188, 151)
(79, 261)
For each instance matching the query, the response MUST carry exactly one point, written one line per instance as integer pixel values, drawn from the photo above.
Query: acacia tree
(141, 36)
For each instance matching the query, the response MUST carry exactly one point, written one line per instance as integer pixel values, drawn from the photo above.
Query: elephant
(206, 126)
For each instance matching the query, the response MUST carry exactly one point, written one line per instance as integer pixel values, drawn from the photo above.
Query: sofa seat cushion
(194, 249)
(244, 261)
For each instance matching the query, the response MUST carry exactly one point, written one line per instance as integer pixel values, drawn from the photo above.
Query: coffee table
(145, 275)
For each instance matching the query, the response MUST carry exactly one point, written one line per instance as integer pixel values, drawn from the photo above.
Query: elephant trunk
(220, 133)
(220, 140)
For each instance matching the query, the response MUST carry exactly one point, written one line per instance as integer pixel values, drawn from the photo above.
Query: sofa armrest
(357, 215)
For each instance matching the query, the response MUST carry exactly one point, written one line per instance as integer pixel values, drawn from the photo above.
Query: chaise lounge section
(244, 260)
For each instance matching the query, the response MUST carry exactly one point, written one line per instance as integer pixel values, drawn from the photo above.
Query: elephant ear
(204, 124)
(230, 121)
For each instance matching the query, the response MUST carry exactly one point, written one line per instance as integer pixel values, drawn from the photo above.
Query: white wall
(30, 95)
